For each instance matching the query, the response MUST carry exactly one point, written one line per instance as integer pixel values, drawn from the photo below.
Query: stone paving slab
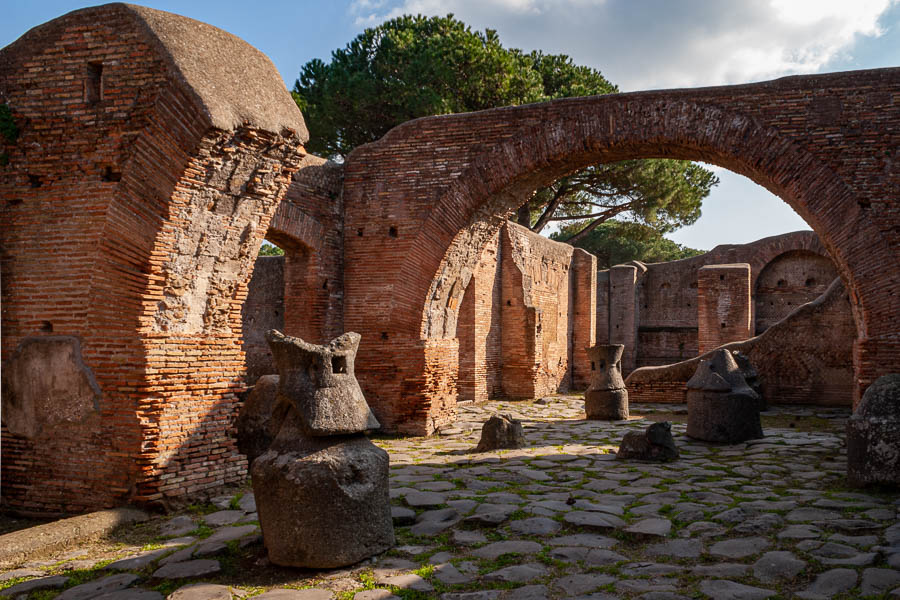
(560, 518)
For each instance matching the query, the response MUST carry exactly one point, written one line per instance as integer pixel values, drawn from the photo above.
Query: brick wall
(263, 310)
(666, 302)
(723, 305)
(793, 278)
(442, 180)
(806, 358)
(132, 214)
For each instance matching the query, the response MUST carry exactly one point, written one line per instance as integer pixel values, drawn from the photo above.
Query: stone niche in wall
(792, 279)
(660, 320)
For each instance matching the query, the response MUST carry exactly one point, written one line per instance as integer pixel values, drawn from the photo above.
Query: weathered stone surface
(654, 444)
(201, 591)
(582, 583)
(98, 587)
(650, 528)
(517, 573)
(409, 581)
(750, 374)
(497, 549)
(46, 384)
(776, 566)
(42, 583)
(191, 568)
(739, 547)
(499, 432)
(721, 406)
(606, 398)
(178, 526)
(138, 562)
(375, 595)
(829, 584)
(594, 520)
(535, 526)
(403, 516)
(319, 382)
(257, 424)
(223, 517)
(18, 546)
(289, 594)
(130, 594)
(873, 435)
(722, 589)
(325, 503)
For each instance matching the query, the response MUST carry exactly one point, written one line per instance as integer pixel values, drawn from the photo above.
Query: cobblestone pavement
(562, 518)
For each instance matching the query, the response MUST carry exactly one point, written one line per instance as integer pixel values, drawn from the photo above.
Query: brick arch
(500, 176)
(445, 184)
(292, 228)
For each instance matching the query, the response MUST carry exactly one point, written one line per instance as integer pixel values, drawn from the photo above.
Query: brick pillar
(602, 336)
(622, 317)
(723, 305)
(584, 317)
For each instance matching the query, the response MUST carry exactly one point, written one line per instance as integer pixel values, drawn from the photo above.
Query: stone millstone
(320, 383)
(655, 443)
(721, 406)
(257, 425)
(873, 435)
(324, 504)
(606, 398)
(751, 375)
(501, 431)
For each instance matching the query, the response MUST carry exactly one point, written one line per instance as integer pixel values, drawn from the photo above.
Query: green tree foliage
(616, 242)
(267, 249)
(412, 67)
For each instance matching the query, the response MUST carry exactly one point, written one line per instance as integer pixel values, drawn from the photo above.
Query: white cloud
(646, 44)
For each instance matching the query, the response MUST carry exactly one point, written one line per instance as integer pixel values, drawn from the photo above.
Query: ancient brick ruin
(147, 174)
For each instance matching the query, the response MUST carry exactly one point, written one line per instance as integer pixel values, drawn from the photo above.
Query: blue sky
(637, 44)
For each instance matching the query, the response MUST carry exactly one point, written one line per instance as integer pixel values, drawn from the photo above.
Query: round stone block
(325, 503)
(725, 417)
(606, 405)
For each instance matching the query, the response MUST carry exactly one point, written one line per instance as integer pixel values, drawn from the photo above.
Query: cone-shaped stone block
(873, 435)
(721, 406)
(606, 398)
(319, 382)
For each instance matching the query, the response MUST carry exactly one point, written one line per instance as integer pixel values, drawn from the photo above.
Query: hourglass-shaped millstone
(319, 382)
(321, 488)
(606, 398)
(721, 406)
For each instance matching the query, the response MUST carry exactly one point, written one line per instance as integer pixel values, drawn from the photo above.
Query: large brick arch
(136, 197)
(307, 226)
(807, 139)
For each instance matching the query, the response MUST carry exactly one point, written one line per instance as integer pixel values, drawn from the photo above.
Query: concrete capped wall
(806, 358)
(666, 302)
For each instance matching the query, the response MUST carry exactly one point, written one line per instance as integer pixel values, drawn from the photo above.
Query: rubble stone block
(256, 424)
(873, 435)
(501, 431)
(655, 443)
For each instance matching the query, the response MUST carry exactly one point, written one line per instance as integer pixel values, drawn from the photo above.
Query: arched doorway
(471, 170)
